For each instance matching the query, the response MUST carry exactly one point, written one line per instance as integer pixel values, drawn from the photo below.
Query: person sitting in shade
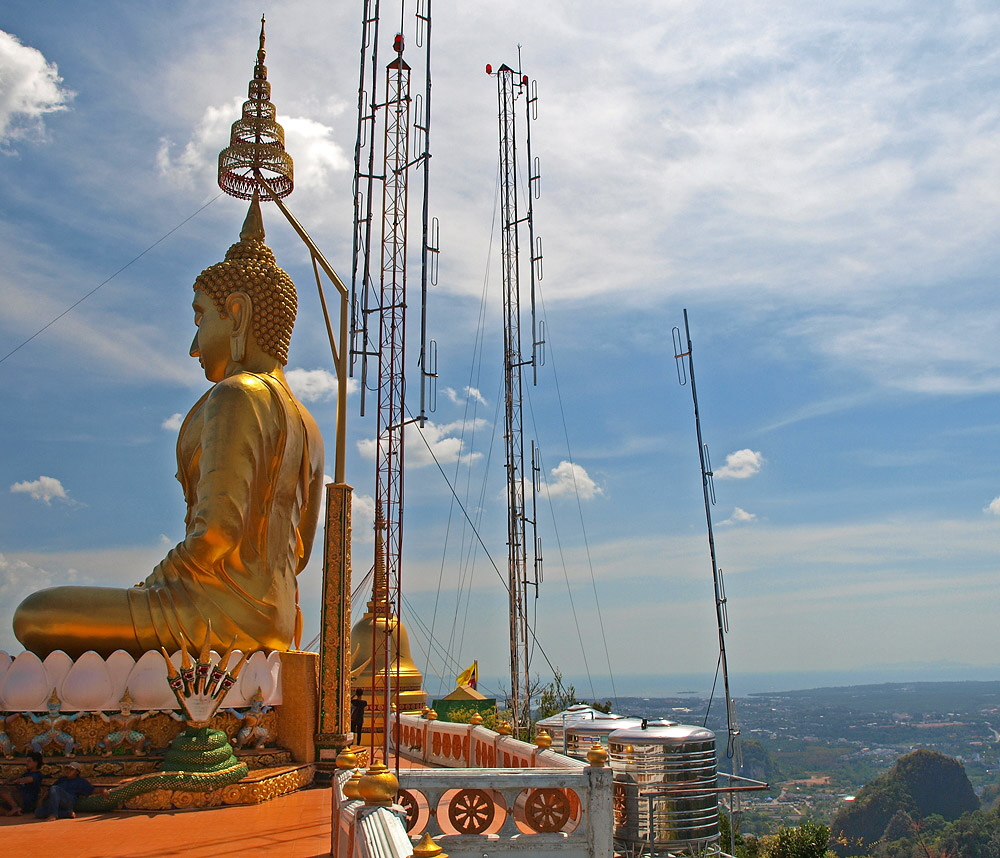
(62, 795)
(20, 793)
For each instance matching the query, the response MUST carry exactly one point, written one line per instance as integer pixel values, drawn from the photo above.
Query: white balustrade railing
(488, 795)
(544, 811)
(447, 745)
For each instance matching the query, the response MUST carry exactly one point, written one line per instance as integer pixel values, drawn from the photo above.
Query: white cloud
(432, 443)
(30, 87)
(173, 422)
(740, 465)
(571, 479)
(993, 508)
(18, 580)
(45, 489)
(740, 516)
(891, 347)
(197, 163)
(362, 521)
(26, 573)
(316, 385)
(315, 153)
(469, 393)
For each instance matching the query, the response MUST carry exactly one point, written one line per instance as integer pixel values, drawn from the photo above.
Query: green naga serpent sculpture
(199, 759)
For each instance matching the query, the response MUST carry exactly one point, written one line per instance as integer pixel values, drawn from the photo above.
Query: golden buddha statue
(250, 460)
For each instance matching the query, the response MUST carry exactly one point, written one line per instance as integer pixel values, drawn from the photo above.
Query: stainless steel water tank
(582, 735)
(557, 726)
(666, 791)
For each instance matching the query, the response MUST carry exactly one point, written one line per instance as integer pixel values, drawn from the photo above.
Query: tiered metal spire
(256, 143)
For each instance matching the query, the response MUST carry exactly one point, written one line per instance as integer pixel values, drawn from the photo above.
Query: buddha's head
(250, 269)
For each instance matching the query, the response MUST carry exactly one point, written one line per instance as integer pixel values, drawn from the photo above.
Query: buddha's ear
(239, 308)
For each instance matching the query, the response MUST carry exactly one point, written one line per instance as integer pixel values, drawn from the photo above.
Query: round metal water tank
(666, 792)
(582, 735)
(557, 725)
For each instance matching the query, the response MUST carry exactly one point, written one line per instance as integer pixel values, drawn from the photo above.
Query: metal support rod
(340, 352)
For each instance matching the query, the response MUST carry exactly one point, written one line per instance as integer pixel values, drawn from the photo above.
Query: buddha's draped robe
(250, 460)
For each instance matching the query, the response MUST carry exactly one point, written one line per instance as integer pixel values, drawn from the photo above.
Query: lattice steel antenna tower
(385, 301)
(512, 85)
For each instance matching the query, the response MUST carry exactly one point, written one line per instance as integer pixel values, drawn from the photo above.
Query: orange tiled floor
(293, 826)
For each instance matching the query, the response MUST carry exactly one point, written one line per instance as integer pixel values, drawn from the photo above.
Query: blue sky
(818, 186)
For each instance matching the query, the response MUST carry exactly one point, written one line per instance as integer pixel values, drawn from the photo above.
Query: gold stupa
(378, 630)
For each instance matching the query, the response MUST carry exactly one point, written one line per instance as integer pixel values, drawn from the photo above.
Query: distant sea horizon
(743, 685)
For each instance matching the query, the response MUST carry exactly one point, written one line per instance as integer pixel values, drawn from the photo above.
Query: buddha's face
(211, 340)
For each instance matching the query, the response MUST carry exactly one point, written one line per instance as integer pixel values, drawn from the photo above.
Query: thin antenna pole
(425, 248)
(708, 492)
(510, 85)
(364, 186)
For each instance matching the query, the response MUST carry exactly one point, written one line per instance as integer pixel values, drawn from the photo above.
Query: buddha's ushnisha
(250, 461)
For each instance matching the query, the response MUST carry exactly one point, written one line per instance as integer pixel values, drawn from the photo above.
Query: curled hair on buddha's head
(249, 267)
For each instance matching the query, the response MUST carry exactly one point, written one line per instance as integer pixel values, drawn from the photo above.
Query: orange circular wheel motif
(546, 810)
(471, 811)
(405, 799)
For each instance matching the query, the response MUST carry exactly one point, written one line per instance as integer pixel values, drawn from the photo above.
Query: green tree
(491, 719)
(554, 697)
(743, 846)
(974, 835)
(808, 840)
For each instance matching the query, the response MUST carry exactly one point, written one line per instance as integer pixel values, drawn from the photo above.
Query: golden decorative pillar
(335, 625)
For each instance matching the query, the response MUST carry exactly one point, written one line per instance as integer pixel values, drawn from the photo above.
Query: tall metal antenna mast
(510, 86)
(685, 370)
(386, 301)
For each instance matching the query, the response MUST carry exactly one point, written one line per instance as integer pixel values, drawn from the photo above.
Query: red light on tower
(489, 68)
(397, 43)
(524, 80)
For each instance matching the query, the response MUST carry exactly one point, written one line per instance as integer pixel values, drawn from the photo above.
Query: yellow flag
(469, 676)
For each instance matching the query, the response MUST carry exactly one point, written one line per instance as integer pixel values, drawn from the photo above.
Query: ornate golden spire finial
(260, 70)
(256, 148)
(379, 605)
